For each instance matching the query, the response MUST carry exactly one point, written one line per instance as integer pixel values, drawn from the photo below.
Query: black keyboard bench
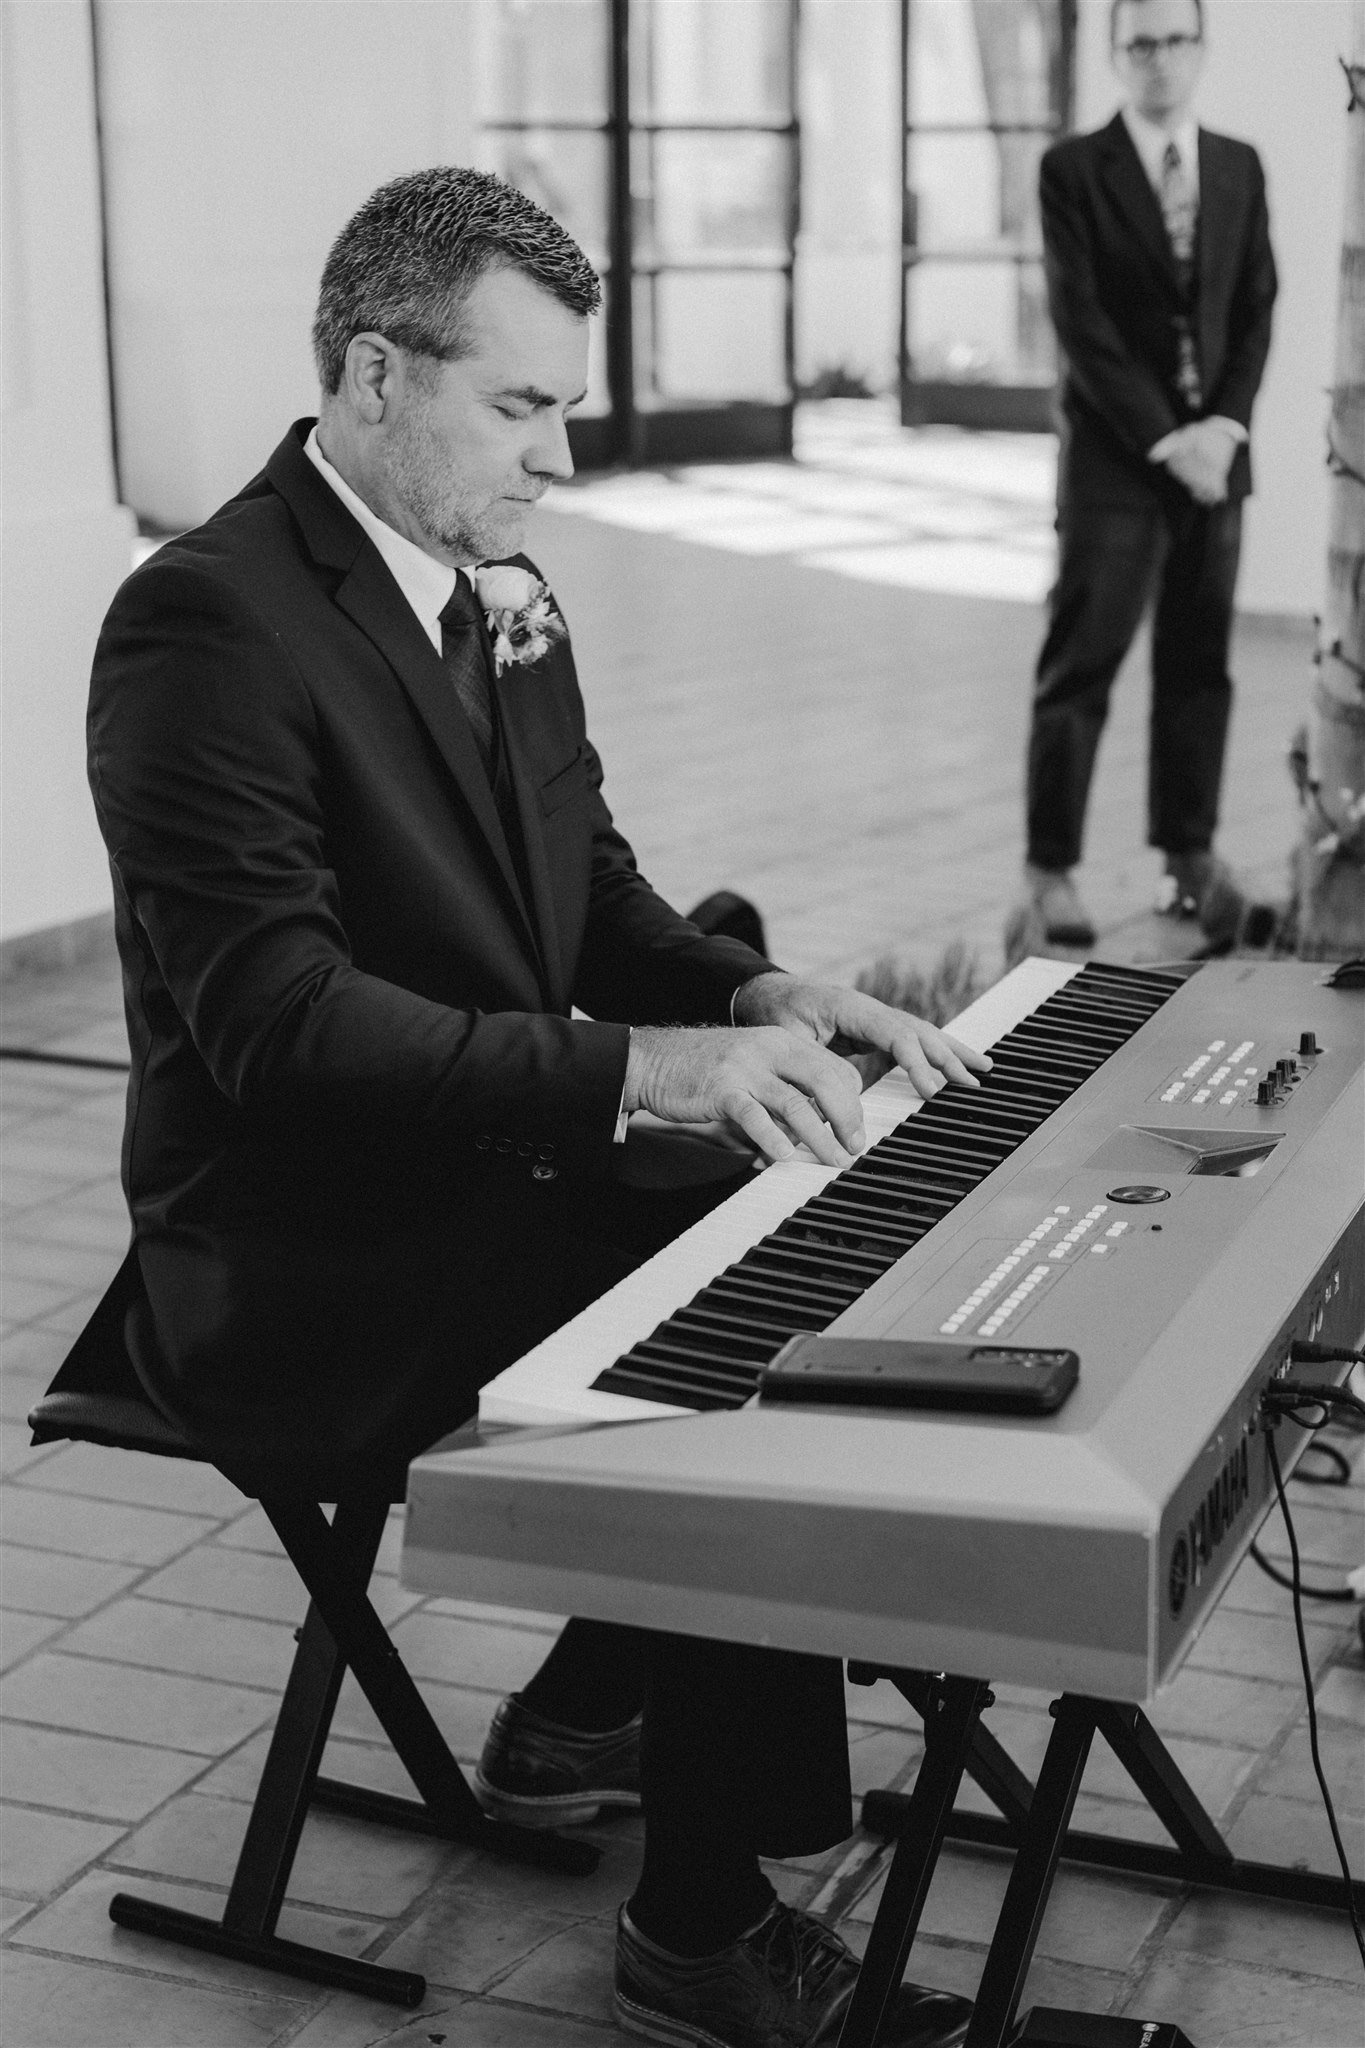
(96, 1397)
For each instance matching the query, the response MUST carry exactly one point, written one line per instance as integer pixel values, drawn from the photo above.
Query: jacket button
(546, 1152)
(503, 1145)
(523, 1150)
(482, 1142)
(544, 1173)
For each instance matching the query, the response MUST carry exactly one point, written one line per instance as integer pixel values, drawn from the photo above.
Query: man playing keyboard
(364, 877)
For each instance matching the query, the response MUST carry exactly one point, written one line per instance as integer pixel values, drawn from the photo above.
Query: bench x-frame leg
(1034, 1822)
(341, 1629)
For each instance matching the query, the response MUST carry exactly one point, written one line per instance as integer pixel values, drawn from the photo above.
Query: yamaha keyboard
(1162, 1175)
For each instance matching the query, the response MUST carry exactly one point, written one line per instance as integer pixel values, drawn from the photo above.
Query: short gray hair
(404, 264)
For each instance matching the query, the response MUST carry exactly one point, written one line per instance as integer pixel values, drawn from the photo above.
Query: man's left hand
(826, 1012)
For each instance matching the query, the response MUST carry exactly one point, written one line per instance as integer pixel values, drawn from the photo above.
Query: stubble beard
(461, 528)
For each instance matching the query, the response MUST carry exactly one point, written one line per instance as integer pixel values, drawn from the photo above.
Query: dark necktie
(462, 652)
(1180, 211)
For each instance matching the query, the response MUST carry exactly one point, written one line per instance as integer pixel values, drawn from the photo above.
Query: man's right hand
(777, 1090)
(1199, 457)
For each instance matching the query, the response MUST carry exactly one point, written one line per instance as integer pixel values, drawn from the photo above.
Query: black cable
(1338, 1475)
(1282, 1397)
(1301, 1352)
(1273, 1571)
(1307, 1668)
(38, 1057)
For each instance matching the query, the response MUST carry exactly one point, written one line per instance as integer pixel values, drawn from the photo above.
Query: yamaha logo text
(1218, 1509)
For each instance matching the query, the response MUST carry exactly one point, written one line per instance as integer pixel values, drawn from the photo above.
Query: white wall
(239, 137)
(66, 542)
(1271, 76)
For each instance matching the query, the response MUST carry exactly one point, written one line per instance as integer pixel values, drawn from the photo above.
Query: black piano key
(846, 1207)
(773, 1256)
(858, 1248)
(756, 1330)
(765, 1303)
(909, 1204)
(1075, 1021)
(909, 1168)
(918, 1191)
(677, 1390)
(706, 1362)
(955, 1148)
(804, 1284)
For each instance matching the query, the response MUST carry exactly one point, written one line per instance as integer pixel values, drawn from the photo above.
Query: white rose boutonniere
(523, 620)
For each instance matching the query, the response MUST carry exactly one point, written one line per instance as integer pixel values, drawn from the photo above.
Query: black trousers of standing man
(1111, 555)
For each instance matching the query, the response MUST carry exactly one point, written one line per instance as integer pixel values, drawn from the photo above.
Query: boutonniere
(523, 620)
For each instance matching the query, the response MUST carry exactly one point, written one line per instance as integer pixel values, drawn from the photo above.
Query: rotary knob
(1308, 1044)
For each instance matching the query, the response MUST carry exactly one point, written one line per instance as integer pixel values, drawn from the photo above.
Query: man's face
(471, 445)
(1160, 75)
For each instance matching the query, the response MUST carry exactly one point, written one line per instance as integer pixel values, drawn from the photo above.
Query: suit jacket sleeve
(1125, 391)
(210, 783)
(641, 960)
(1249, 312)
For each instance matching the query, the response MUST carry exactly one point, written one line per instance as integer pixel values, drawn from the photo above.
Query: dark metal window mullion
(621, 246)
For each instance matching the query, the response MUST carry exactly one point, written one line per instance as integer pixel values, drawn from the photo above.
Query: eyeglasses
(1145, 49)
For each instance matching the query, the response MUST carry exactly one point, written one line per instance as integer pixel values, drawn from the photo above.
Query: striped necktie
(462, 652)
(1180, 211)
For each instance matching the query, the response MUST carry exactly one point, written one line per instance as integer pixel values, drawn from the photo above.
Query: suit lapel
(1218, 200)
(1122, 172)
(369, 597)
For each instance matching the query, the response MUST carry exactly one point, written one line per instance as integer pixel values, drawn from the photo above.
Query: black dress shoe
(537, 1774)
(787, 1983)
(1065, 920)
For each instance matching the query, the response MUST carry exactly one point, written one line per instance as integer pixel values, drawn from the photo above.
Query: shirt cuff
(622, 1113)
(1159, 450)
(1233, 427)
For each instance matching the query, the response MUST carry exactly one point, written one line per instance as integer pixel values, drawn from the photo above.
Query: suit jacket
(1116, 300)
(358, 1111)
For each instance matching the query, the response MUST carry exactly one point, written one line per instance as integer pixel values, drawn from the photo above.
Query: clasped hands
(1200, 456)
(775, 1080)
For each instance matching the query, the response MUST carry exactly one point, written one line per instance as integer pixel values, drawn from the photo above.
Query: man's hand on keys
(776, 1080)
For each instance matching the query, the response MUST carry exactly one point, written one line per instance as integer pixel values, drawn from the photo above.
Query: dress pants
(744, 1750)
(1110, 556)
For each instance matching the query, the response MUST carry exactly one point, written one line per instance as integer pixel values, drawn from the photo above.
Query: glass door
(663, 134)
(987, 86)
(713, 187)
(548, 127)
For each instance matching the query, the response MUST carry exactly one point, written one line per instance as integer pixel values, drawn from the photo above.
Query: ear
(368, 380)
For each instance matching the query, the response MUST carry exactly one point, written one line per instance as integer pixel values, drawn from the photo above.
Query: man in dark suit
(363, 873)
(1161, 282)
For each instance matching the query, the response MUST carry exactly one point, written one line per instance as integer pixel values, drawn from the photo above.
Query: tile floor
(846, 750)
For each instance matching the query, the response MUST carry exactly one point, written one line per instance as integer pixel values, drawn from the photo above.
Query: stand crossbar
(1033, 1823)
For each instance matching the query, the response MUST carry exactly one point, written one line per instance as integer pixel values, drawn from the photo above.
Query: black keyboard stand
(1033, 1821)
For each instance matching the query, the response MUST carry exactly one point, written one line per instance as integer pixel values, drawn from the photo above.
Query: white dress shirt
(428, 585)
(1151, 143)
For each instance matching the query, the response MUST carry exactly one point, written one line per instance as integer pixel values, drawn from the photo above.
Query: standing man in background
(1161, 282)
